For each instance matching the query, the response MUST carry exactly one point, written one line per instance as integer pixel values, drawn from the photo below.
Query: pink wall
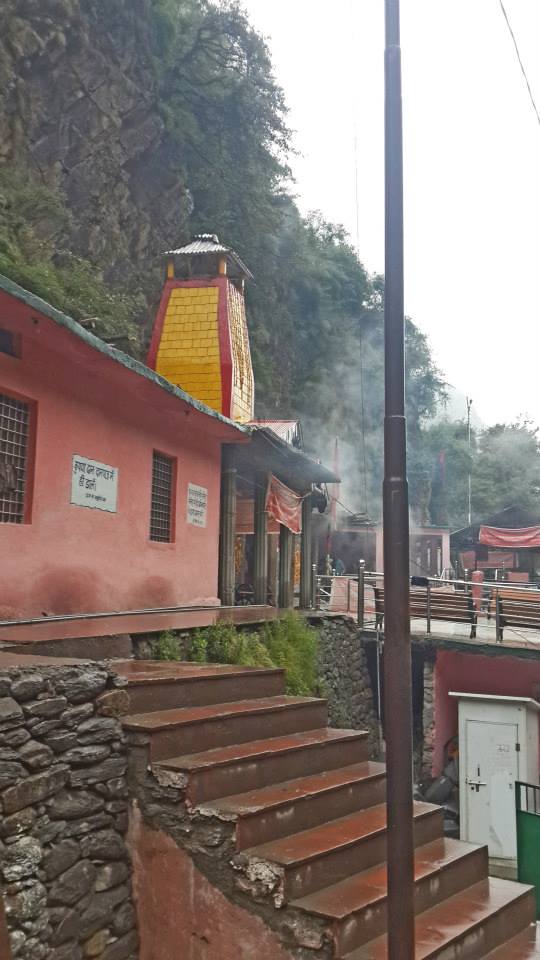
(181, 915)
(472, 673)
(73, 559)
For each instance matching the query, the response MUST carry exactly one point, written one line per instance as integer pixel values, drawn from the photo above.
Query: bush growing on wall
(288, 643)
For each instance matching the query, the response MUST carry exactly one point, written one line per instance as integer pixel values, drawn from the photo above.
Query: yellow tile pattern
(188, 353)
(243, 397)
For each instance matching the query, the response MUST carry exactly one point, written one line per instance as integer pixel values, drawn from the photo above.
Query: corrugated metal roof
(204, 243)
(276, 425)
(209, 243)
(289, 430)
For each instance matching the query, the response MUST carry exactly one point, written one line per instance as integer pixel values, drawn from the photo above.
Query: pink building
(109, 474)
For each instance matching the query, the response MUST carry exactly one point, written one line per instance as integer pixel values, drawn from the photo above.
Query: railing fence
(463, 601)
(528, 836)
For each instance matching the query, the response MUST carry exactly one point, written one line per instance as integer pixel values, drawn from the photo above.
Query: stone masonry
(64, 864)
(428, 718)
(345, 677)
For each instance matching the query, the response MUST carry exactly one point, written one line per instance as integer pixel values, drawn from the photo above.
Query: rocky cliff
(78, 111)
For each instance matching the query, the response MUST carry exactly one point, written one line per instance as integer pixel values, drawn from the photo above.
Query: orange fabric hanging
(284, 505)
(511, 539)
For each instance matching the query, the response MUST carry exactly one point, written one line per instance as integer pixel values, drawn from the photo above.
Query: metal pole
(285, 567)
(227, 527)
(498, 631)
(397, 659)
(361, 593)
(260, 573)
(305, 555)
(314, 585)
(469, 484)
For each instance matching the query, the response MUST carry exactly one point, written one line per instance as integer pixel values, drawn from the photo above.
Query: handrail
(100, 615)
(496, 584)
(515, 605)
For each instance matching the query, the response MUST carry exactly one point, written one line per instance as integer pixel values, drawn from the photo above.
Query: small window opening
(161, 518)
(14, 429)
(9, 343)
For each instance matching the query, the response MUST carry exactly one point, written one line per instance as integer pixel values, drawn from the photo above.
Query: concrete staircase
(305, 809)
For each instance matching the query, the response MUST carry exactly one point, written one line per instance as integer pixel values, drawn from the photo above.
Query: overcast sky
(472, 169)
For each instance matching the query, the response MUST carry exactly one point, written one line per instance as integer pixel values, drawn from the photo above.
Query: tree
(504, 465)
(447, 458)
(315, 315)
(507, 469)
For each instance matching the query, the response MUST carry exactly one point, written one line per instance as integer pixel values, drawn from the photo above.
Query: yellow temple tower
(200, 338)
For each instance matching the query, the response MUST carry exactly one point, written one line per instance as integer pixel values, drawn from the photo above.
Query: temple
(200, 343)
(200, 339)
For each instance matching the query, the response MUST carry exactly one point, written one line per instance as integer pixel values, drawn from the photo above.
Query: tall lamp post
(397, 646)
(469, 486)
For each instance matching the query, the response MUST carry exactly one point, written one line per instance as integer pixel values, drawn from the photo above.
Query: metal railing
(490, 604)
(324, 587)
(528, 798)
(528, 836)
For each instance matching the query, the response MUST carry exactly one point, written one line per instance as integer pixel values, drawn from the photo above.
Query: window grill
(161, 504)
(14, 428)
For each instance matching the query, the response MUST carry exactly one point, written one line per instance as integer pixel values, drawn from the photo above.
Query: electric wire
(520, 61)
(352, 21)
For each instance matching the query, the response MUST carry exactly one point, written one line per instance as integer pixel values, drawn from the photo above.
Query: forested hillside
(128, 125)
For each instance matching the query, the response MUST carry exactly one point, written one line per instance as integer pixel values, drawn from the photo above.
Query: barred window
(161, 518)
(14, 430)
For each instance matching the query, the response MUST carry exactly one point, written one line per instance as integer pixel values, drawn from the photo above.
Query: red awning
(511, 539)
(284, 505)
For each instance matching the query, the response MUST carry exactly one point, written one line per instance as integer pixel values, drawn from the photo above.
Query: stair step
(324, 855)
(284, 808)
(192, 729)
(355, 908)
(227, 770)
(525, 946)
(162, 685)
(466, 926)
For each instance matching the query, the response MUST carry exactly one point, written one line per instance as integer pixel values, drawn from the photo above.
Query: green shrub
(35, 227)
(292, 644)
(288, 643)
(166, 647)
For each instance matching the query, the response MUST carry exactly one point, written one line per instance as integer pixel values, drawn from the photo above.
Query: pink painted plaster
(71, 559)
(473, 673)
(182, 915)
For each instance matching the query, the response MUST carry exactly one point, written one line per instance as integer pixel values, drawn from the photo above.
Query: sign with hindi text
(93, 484)
(197, 505)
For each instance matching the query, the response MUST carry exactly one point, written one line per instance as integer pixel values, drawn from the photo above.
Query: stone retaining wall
(428, 724)
(64, 865)
(345, 677)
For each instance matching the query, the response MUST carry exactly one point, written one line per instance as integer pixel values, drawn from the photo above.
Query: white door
(491, 768)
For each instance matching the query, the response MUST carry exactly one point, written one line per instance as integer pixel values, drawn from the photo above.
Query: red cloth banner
(245, 520)
(511, 539)
(284, 505)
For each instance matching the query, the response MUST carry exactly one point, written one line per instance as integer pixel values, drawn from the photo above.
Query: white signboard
(94, 484)
(197, 504)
